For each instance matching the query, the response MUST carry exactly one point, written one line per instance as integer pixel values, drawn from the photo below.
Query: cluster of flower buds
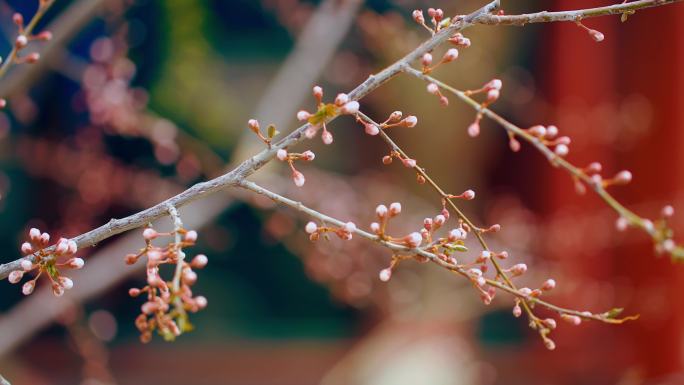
(344, 232)
(168, 302)
(290, 158)
(548, 136)
(395, 119)
(660, 231)
(48, 260)
(492, 90)
(271, 131)
(436, 16)
(596, 35)
(459, 40)
(426, 60)
(407, 162)
(325, 111)
(433, 88)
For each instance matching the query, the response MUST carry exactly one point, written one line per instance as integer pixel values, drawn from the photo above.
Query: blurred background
(135, 100)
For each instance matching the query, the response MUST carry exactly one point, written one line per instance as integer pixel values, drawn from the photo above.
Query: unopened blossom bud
(44, 36)
(433, 89)
(189, 276)
(385, 274)
(308, 155)
(502, 255)
(26, 248)
(281, 155)
(450, 55)
(561, 150)
(350, 108)
(386, 159)
(418, 16)
(432, 12)
(394, 209)
(538, 131)
(154, 256)
(621, 224)
(327, 137)
(349, 227)
(426, 60)
(191, 236)
(410, 121)
(33, 57)
(410, 163)
(456, 235)
(34, 234)
(311, 227)
(130, 259)
(150, 234)
(62, 247)
(519, 269)
(73, 247)
(15, 276)
(486, 254)
(66, 283)
(492, 95)
(549, 284)
(375, 227)
(21, 41)
(439, 14)
(303, 115)
(474, 129)
(75, 263)
(525, 291)
(668, 211)
(371, 129)
(318, 92)
(18, 19)
(594, 168)
(44, 239)
(395, 116)
(648, 225)
(550, 323)
(468, 195)
(517, 311)
(134, 292)
(596, 35)
(414, 239)
(475, 272)
(200, 261)
(201, 302)
(149, 307)
(381, 211)
(551, 131)
(341, 99)
(573, 319)
(494, 84)
(669, 245)
(443, 101)
(26, 265)
(439, 219)
(298, 178)
(427, 223)
(549, 344)
(495, 228)
(253, 125)
(623, 177)
(28, 287)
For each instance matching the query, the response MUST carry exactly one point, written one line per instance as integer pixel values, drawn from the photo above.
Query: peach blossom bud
(492, 95)
(201, 302)
(375, 227)
(154, 256)
(669, 245)
(394, 209)
(310, 132)
(21, 41)
(311, 227)
(475, 272)
(281, 155)
(149, 307)
(486, 254)
(418, 16)
(62, 246)
(73, 247)
(439, 219)
(432, 12)
(596, 35)
(668, 211)
(57, 290)
(623, 177)
(66, 283)
(424, 233)
(318, 92)
(445, 213)
(381, 211)
(34, 234)
(621, 224)
(439, 14)
(130, 259)
(426, 60)
(444, 101)
(410, 163)
(189, 276)
(410, 121)
(519, 269)
(341, 99)
(133, 292)
(349, 227)
(44, 239)
(564, 140)
(427, 223)
(200, 261)
(15, 276)
(414, 240)
(303, 115)
(561, 150)
(494, 228)
(308, 155)
(481, 281)
(253, 125)
(385, 274)
(372, 129)
(33, 57)
(494, 84)
(468, 195)
(502, 255)
(18, 19)
(395, 116)
(474, 129)
(350, 108)
(386, 159)
(298, 178)
(75, 263)
(191, 236)
(594, 168)
(525, 291)
(327, 137)
(648, 225)
(549, 344)
(150, 234)
(26, 248)
(551, 131)
(573, 319)
(517, 311)
(456, 235)
(549, 284)
(26, 265)
(450, 55)
(538, 131)
(433, 88)
(44, 36)
(28, 287)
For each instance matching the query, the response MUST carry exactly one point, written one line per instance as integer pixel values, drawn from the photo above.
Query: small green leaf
(272, 132)
(613, 313)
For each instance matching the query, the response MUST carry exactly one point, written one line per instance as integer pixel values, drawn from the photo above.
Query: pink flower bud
(551, 131)
(525, 291)
(349, 227)
(303, 115)
(385, 274)
(75, 263)
(62, 246)
(623, 177)
(621, 224)
(298, 178)
(414, 240)
(494, 84)
(450, 55)
(519, 269)
(189, 276)
(281, 155)
(154, 256)
(573, 319)
(561, 150)
(418, 16)
(150, 234)
(44, 239)
(426, 60)
(33, 57)
(410, 121)
(468, 195)
(26, 248)
(201, 302)
(395, 116)
(350, 108)
(668, 211)
(517, 311)
(492, 95)
(44, 36)
(538, 131)
(34, 234)
(375, 227)
(327, 137)
(28, 287)
(149, 307)
(15, 276)
(26, 265)
(432, 12)
(191, 236)
(311, 227)
(594, 168)
(394, 209)
(372, 129)
(341, 99)
(308, 155)
(73, 247)
(439, 219)
(549, 284)
(200, 261)
(381, 211)
(410, 163)
(427, 223)
(133, 292)
(66, 283)
(318, 92)
(433, 89)
(456, 235)
(596, 35)
(474, 129)
(18, 19)
(21, 41)
(549, 344)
